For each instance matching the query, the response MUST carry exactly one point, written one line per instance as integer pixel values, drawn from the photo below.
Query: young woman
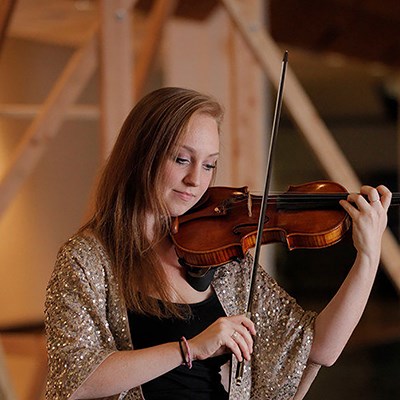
(122, 320)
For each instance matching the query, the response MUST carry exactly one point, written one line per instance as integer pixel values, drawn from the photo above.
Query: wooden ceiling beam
(194, 9)
(367, 31)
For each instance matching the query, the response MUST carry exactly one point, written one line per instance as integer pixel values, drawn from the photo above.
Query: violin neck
(395, 199)
(306, 201)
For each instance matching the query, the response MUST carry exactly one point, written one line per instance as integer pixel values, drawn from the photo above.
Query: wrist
(185, 352)
(370, 260)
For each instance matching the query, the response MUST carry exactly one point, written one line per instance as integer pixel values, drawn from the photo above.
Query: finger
(371, 193)
(248, 339)
(233, 345)
(385, 196)
(248, 324)
(242, 344)
(351, 206)
(247, 336)
(362, 201)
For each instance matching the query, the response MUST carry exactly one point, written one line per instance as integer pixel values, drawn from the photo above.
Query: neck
(176, 275)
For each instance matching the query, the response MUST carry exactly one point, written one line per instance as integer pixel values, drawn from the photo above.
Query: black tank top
(203, 381)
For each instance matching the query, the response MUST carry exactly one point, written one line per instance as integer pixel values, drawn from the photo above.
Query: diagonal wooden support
(160, 13)
(45, 126)
(6, 9)
(308, 121)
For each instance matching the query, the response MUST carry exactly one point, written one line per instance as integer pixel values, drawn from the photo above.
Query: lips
(185, 196)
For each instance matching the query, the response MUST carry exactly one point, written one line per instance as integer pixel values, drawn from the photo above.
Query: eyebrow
(192, 150)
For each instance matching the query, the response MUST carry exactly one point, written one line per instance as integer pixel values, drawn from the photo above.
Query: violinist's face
(189, 175)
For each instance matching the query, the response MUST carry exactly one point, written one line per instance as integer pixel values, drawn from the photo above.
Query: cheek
(169, 174)
(208, 179)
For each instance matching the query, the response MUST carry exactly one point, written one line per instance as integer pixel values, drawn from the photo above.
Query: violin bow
(253, 275)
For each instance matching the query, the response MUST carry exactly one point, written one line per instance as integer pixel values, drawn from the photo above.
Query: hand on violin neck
(368, 211)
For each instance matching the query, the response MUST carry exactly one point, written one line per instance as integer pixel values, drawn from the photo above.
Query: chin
(178, 211)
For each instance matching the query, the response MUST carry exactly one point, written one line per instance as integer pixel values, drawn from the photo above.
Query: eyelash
(183, 161)
(210, 167)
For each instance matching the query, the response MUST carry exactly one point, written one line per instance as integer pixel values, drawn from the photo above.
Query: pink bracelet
(183, 355)
(188, 361)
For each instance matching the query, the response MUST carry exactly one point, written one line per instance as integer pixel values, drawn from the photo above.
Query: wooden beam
(19, 111)
(116, 66)
(38, 383)
(365, 30)
(64, 23)
(47, 123)
(30, 346)
(247, 105)
(160, 13)
(308, 121)
(193, 10)
(219, 63)
(6, 9)
(6, 387)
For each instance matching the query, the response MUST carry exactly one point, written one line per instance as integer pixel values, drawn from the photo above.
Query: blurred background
(70, 70)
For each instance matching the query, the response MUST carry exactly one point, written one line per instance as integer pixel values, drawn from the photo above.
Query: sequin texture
(86, 321)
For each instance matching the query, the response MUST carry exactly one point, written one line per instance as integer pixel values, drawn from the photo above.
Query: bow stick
(275, 125)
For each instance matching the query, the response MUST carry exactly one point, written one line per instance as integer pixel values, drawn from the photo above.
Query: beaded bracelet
(187, 358)
(184, 362)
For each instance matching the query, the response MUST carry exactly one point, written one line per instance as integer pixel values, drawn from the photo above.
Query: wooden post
(116, 66)
(217, 61)
(248, 111)
(161, 12)
(6, 388)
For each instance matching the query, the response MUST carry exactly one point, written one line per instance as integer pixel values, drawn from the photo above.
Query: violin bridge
(249, 205)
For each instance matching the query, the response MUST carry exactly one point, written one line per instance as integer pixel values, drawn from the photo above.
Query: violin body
(222, 226)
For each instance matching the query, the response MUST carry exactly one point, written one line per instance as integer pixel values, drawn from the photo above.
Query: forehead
(201, 132)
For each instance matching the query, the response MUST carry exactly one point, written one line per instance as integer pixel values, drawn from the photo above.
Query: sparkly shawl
(86, 321)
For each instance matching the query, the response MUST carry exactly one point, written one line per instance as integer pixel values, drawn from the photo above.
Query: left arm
(335, 324)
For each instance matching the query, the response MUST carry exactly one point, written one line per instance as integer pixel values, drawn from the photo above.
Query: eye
(182, 160)
(209, 167)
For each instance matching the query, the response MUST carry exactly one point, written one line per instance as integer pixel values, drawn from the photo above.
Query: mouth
(185, 196)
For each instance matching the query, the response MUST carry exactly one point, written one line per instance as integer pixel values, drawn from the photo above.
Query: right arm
(124, 370)
(309, 374)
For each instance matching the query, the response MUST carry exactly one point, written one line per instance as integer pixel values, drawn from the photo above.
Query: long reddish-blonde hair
(131, 186)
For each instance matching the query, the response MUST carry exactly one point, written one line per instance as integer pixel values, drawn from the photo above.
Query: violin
(226, 219)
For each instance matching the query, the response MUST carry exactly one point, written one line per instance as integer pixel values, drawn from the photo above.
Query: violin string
(301, 199)
(395, 195)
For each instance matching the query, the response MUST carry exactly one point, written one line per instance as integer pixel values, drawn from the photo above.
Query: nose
(193, 177)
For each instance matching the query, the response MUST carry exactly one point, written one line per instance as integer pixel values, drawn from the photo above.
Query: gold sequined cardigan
(86, 321)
